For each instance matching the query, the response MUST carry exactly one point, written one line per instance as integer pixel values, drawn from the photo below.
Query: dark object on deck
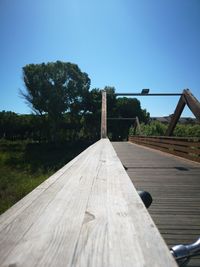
(126, 168)
(183, 253)
(146, 198)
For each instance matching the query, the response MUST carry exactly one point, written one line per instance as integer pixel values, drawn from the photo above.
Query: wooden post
(192, 103)
(104, 115)
(138, 125)
(176, 116)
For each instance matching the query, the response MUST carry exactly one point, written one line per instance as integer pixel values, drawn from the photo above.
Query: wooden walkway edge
(86, 214)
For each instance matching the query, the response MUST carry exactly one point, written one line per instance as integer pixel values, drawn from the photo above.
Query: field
(24, 165)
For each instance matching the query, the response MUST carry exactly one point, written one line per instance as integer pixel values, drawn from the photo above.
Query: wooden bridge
(90, 214)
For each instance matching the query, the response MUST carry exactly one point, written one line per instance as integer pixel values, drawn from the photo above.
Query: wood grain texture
(87, 214)
(174, 184)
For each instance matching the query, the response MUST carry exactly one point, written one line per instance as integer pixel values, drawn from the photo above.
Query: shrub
(156, 128)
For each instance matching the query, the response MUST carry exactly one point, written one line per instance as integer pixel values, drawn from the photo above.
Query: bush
(157, 128)
(187, 130)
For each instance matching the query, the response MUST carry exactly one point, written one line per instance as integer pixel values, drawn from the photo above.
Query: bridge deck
(175, 187)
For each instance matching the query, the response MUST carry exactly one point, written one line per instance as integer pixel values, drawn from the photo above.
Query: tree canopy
(55, 88)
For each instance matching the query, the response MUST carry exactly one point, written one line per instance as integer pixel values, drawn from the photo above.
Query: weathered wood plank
(115, 215)
(168, 146)
(172, 140)
(104, 115)
(51, 224)
(89, 214)
(190, 152)
(185, 142)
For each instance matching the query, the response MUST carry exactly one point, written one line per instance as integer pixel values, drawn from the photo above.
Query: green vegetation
(157, 128)
(53, 89)
(24, 165)
(187, 130)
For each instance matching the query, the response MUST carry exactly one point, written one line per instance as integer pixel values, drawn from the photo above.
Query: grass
(25, 165)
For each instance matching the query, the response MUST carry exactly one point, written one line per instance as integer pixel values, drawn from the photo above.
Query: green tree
(53, 89)
(9, 125)
(126, 108)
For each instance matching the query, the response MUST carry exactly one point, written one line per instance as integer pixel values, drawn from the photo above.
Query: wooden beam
(176, 116)
(123, 119)
(192, 103)
(186, 98)
(87, 215)
(140, 94)
(137, 122)
(104, 115)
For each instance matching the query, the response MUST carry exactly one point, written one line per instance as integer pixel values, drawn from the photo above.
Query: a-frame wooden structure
(188, 99)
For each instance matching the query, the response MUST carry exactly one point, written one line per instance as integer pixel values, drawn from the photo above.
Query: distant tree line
(74, 126)
(65, 108)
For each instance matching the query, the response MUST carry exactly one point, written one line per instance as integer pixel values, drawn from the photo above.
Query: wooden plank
(168, 146)
(104, 115)
(182, 142)
(176, 138)
(90, 216)
(115, 206)
(176, 153)
(175, 150)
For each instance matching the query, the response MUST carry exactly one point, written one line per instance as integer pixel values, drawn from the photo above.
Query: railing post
(138, 125)
(103, 115)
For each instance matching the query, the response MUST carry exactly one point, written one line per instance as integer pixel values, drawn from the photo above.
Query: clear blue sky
(129, 44)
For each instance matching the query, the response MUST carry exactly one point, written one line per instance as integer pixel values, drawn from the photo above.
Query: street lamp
(145, 91)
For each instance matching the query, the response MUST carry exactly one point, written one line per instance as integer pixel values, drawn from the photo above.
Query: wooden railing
(87, 214)
(184, 147)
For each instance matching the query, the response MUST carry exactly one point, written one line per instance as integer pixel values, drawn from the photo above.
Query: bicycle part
(183, 253)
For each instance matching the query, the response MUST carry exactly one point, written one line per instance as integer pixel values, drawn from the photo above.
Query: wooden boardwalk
(174, 184)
